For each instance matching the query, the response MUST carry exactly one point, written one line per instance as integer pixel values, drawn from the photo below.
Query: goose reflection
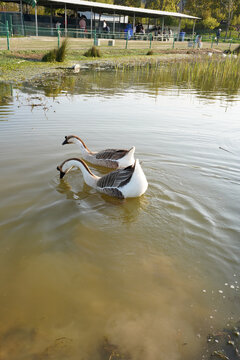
(121, 210)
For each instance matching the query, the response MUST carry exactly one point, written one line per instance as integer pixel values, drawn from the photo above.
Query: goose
(111, 158)
(76, 68)
(124, 183)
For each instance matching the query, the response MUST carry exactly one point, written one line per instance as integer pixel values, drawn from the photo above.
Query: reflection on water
(6, 93)
(209, 78)
(154, 275)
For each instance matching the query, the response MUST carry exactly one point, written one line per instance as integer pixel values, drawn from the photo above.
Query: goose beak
(65, 141)
(62, 173)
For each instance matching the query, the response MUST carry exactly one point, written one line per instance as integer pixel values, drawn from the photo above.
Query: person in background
(82, 23)
(198, 41)
(58, 24)
(104, 25)
(218, 35)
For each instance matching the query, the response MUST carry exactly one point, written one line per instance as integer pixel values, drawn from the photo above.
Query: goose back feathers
(111, 158)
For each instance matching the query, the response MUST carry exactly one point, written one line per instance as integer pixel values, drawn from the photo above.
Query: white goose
(111, 158)
(123, 183)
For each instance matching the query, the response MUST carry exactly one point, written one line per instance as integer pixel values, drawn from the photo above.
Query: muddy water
(153, 275)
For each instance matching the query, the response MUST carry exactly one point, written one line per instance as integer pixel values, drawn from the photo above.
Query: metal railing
(21, 30)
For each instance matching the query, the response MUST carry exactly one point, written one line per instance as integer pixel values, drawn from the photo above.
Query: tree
(214, 11)
(165, 5)
(210, 23)
(134, 3)
(230, 6)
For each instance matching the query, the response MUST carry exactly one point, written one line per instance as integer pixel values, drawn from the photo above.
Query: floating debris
(224, 344)
(111, 352)
(220, 355)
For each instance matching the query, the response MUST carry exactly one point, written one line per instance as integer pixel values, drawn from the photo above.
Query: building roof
(103, 8)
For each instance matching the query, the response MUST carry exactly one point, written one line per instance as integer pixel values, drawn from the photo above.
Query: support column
(114, 22)
(179, 28)
(21, 9)
(36, 20)
(94, 18)
(91, 21)
(194, 23)
(51, 20)
(76, 22)
(119, 23)
(65, 13)
(99, 23)
(134, 22)
(162, 27)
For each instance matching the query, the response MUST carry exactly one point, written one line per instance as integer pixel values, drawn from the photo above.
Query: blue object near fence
(182, 35)
(128, 31)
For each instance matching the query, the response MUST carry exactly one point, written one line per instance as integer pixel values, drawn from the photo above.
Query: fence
(119, 39)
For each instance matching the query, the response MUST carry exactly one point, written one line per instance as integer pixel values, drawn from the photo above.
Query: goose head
(68, 164)
(73, 139)
(62, 173)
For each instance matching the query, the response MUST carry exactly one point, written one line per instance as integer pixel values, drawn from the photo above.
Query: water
(153, 275)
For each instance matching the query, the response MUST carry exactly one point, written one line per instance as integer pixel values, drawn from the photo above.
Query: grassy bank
(22, 65)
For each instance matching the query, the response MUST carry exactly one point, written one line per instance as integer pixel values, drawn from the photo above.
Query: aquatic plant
(58, 55)
(237, 50)
(150, 52)
(202, 74)
(93, 52)
(62, 51)
(50, 56)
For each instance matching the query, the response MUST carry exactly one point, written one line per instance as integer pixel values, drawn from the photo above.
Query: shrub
(92, 52)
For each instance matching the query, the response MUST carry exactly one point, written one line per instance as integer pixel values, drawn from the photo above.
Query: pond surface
(153, 275)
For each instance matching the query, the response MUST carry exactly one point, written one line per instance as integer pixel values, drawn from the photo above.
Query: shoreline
(19, 66)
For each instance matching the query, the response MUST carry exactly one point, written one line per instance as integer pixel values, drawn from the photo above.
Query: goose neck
(89, 178)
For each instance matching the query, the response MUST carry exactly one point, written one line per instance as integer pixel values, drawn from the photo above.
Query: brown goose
(111, 158)
(122, 183)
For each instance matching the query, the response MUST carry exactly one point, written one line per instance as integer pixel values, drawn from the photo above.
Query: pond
(152, 275)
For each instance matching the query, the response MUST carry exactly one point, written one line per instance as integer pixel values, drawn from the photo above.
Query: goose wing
(117, 178)
(111, 154)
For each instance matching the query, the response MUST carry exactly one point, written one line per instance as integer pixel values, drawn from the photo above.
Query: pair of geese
(127, 181)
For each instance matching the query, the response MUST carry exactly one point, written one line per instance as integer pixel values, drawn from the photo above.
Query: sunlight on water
(151, 276)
